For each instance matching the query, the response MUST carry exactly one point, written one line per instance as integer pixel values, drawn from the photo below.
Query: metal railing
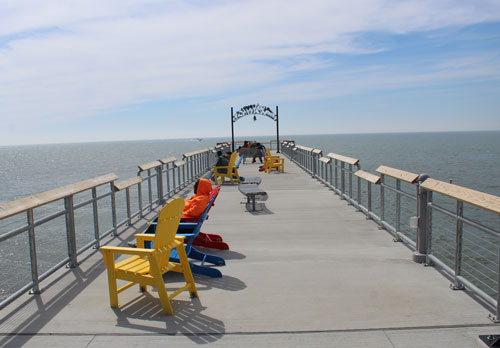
(83, 207)
(466, 246)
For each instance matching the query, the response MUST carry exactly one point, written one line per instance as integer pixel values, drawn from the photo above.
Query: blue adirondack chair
(190, 230)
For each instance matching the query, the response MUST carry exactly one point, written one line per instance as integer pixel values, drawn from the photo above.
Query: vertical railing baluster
(382, 198)
(342, 179)
(159, 182)
(35, 289)
(458, 248)
(167, 174)
(369, 199)
(398, 206)
(113, 209)
(350, 180)
(70, 231)
(150, 190)
(127, 198)
(95, 211)
(139, 197)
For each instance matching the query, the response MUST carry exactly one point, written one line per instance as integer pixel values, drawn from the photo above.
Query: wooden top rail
(317, 151)
(305, 148)
(168, 160)
(348, 160)
(143, 167)
(476, 198)
(179, 163)
(127, 183)
(325, 159)
(24, 204)
(398, 174)
(374, 179)
(195, 153)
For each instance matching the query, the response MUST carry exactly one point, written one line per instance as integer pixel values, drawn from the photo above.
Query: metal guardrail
(169, 175)
(464, 246)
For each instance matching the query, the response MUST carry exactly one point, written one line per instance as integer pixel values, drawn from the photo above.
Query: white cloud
(77, 58)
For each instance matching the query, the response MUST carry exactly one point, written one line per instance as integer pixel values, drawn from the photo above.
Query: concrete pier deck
(305, 269)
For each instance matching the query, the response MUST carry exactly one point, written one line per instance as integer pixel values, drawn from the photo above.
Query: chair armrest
(127, 251)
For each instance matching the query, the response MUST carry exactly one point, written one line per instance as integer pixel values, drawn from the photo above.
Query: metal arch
(254, 109)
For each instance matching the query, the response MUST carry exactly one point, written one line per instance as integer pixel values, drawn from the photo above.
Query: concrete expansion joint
(250, 333)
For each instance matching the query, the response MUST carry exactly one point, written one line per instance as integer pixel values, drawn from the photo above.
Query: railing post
(150, 190)
(167, 175)
(96, 218)
(382, 199)
(70, 231)
(127, 197)
(458, 248)
(173, 179)
(336, 174)
(331, 172)
(398, 206)
(369, 199)
(423, 222)
(342, 179)
(33, 259)
(159, 182)
(113, 208)
(314, 165)
(139, 197)
(350, 180)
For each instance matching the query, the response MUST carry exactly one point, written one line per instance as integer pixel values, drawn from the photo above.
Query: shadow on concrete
(36, 313)
(228, 283)
(231, 255)
(260, 209)
(145, 314)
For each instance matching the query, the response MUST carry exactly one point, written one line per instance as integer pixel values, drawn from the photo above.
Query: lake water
(471, 159)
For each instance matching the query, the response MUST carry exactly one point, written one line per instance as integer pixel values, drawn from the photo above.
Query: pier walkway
(305, 270)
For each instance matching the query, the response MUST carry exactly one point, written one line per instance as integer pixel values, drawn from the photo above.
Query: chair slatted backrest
(232, 161)
(168, 222)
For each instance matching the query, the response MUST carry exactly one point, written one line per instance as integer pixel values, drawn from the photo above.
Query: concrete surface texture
(304, 269)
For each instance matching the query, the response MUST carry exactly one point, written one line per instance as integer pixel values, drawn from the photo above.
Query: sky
(93, 70)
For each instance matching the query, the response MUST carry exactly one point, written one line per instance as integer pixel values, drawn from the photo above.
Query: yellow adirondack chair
(147, 266)
(273, 162)
(231, 171)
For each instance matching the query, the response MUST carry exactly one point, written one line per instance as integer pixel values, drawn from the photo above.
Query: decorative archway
(254, 110)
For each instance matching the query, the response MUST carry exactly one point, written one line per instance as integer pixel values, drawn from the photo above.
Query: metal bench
(253, 192)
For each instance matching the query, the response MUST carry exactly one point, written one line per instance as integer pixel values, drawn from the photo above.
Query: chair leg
(160, 287)
(188, 275)
(112, 286)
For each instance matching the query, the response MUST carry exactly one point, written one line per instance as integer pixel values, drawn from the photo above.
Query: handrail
(374, 179)
(168, 160)
(189, 154)
(127, 183)
(476, 198)
(398, 174)
(342, 158)
(150, 165)
(37, 200)
(305, 148)
(179, 163)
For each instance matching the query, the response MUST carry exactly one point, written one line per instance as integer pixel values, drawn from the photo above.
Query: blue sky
(124, 70)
